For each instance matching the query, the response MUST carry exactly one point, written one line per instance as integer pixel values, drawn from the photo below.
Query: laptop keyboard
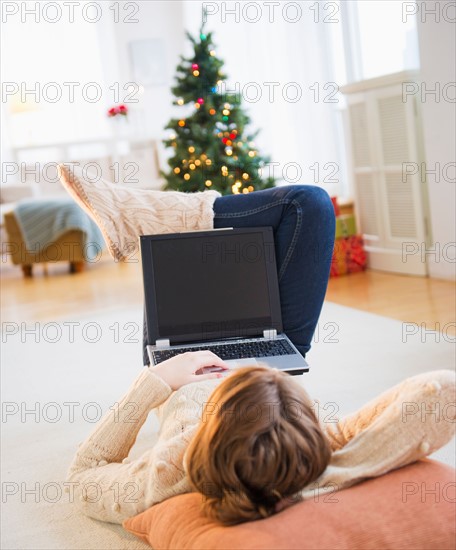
(236, 350)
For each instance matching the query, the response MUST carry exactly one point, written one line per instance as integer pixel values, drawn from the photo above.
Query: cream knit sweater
(402, 425)
(389, 432)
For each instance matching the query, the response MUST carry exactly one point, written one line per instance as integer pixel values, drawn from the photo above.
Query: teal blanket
(43, 221)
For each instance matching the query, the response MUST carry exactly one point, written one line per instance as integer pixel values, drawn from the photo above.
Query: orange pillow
(409, 508)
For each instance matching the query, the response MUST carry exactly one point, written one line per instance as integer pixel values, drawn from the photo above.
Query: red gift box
(349, 256)
(336, 206)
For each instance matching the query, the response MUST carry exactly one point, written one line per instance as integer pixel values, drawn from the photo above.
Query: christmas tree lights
(212, 146)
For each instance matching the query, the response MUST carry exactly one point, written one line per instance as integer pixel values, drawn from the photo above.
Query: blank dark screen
(206, 284)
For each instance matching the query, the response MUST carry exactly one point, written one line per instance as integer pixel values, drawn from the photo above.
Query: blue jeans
(303, 222)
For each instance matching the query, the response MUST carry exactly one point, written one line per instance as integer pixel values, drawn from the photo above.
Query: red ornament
(195, 66)
(233, 135)
(200, 100)
(224, 140)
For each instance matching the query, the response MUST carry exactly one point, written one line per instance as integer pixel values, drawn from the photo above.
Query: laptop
(216, 290)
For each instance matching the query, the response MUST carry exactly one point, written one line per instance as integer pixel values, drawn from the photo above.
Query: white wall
(437, 56)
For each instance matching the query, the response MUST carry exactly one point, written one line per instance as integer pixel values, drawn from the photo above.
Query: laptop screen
(211, 285)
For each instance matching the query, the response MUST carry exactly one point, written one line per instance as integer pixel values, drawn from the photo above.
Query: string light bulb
(251, 153)
(177, 170)
(212, 111)
(196, 73)
(186, 177)
(192, 166)
(180, 101)
(191, 149)
(208, 183)
(245, 176)
(181, 123)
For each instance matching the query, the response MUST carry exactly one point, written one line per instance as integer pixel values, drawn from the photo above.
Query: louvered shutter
(390, 205)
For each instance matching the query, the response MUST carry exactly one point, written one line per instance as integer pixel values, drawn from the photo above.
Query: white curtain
(298, 56)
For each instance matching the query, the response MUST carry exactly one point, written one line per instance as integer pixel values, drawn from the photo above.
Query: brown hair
(259, 443)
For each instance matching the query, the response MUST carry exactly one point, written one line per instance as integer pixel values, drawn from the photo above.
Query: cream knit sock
(124, 213)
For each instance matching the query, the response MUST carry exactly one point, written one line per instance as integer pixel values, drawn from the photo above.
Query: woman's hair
(259, 442)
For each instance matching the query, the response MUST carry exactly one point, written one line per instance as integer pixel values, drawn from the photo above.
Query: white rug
(356, 356)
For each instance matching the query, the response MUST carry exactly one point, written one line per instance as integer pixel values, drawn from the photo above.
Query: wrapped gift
(338, 263)
(349, 256)
(345, 226)
(336, 206)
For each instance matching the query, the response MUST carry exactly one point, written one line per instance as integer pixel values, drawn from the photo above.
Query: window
(39, 58)
(379, 38)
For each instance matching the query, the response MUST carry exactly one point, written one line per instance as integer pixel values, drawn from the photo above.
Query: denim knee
(310, 196)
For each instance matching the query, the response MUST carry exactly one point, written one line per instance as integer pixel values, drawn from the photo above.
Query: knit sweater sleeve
(404, 424)
(100, 480)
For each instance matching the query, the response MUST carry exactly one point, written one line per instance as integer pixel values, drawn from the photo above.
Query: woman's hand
(192, 366)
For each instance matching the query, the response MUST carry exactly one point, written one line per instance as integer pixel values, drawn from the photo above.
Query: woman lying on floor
(247, 466)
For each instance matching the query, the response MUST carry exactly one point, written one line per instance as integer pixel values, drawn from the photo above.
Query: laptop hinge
(162, 343)
(270, 334)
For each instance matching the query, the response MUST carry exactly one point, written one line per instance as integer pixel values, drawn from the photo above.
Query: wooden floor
(427, 302)
(107, 286)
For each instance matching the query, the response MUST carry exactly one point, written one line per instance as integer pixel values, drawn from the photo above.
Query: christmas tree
(212, 147)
